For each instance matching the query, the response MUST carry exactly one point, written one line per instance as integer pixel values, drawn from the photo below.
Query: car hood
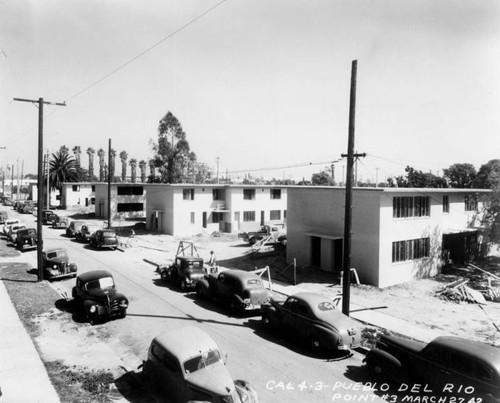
(103, 294)
(337, 320)
(214, 378)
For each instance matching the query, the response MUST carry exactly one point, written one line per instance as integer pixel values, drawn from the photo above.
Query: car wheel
(252, 241)
(183, 285)
(375, 370)
(123, 314)
(164, 276)
(199, 292)
(266, 321)
(234, 306)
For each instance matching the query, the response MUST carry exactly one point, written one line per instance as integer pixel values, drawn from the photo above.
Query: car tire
(375, 370)
(164, 276)
(123, 314)
(234, 306)
(183, 285)
(199, 291)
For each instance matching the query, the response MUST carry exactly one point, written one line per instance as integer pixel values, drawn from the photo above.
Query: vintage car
(312, 317)
(74, 227)
(239, 289)
(58, 221)
(26, 208)
(86, 231)
(26, 239)
(185, 272)
(46, 215)
(446, 363)
(7, 201)
(104, 238)
(96, 297)
(187, 365)
(56, 264)
(8, 223)
(12, 233)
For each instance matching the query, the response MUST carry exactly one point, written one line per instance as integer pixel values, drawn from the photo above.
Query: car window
(201, 361)
(109, 234)
(461, 364)
(483, 372)
(254, 282)
(104, 282)
(291, 304)
(303, 309)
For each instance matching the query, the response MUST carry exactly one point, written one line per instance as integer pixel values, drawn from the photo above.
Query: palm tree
(64, 150)
(142, 167)
(112, 153)
(62, 169)
(123, 159)
(77, 151)
(91, 152)
(101, 153)
(151, 170)
(133, 167)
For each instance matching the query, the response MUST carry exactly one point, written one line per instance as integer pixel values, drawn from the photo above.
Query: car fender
(273, 314)
(390, 364)
(203, 286)
(326, 336)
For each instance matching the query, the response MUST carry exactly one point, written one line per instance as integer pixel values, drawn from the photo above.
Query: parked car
(186, 271)
(86, 231)
(275, 233)
(104, 238)
(96, 296)
(26, 208)
(312, 317)
(8, 223)
(187, 365)
(12, 233)
(241, 290)
(74, 227)
(56, 264)
(58, 221)
(26, 239)
(7, 201)
(46, 216)
(444, 361)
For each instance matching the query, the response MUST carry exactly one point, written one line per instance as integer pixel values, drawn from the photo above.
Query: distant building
(78, 195)
(398, 234)
(187, 209)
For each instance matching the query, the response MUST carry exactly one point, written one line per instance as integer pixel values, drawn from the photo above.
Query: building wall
(101, 200)
(82, 197)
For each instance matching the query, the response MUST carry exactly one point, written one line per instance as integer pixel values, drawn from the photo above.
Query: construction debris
(458, 292)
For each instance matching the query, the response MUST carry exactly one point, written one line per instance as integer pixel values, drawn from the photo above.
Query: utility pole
(39, 248)
(109, 184)
(346, 270)
(217, 170)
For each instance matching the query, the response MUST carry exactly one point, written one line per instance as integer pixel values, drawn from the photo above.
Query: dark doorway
(204, 219)
(316, 251)
(262, 217)
(460, 248)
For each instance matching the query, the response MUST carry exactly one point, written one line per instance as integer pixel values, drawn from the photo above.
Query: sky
(260, 87)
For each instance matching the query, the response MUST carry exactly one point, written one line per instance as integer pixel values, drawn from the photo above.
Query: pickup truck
(277, 232)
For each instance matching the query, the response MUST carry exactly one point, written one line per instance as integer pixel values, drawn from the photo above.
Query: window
(127, 207)
(249, 216)
(92, 200)
(76, 188)
(275, 194)
(446, 204)
(129, 190)
(410, 250)
(219, 194)
(275, 215)
(192, 217)
(188, 194)
(93, 188)
(416, 206)
(470, 203)
(248, 194)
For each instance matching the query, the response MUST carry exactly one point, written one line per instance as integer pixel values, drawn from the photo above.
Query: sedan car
(186, 365)
(445, 363)
(12, 232)
(313, 318)
(56, 264)
(96, 296)
(26, 239)
(74, 227)
(104, 238)
(86, 231)
(8, 222)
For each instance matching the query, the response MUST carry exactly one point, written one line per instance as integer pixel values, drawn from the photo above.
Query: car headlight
(92, 309)
(54, 267)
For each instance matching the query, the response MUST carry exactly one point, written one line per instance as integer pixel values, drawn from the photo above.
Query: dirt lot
(76, 380)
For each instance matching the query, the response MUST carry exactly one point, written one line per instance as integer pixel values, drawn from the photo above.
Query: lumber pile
(458, 291)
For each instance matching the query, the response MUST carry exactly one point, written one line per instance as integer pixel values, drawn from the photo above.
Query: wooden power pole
(39, 248)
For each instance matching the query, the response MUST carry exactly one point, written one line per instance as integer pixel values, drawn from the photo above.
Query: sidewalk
(23, 378)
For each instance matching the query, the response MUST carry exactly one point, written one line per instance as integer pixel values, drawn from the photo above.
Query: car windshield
(30, 232)
(53, 255)
(254, 282)
(109, 234)
(105, 282)
(201, 361)
(326, 306)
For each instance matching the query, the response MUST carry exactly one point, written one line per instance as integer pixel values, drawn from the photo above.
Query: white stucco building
(78, 195)
(187, 209)
(398, 234)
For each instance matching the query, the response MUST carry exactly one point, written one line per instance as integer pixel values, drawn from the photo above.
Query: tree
(133, 168)
(172, 152)
(123, 159)
(461, 175)
(488, 176)
(142, 168)
(64, 150)
(322, 179)
(417, 179)
(101, 153)
(90, 153)
(491, 214)
(112, 153)
(77, 151)
(62, 169)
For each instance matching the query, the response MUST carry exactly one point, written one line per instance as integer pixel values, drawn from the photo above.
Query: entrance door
(204, 219)
(316, 251)
(262, 217)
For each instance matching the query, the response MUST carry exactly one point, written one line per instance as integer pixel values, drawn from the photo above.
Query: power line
(77, 94)
(304, 164)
